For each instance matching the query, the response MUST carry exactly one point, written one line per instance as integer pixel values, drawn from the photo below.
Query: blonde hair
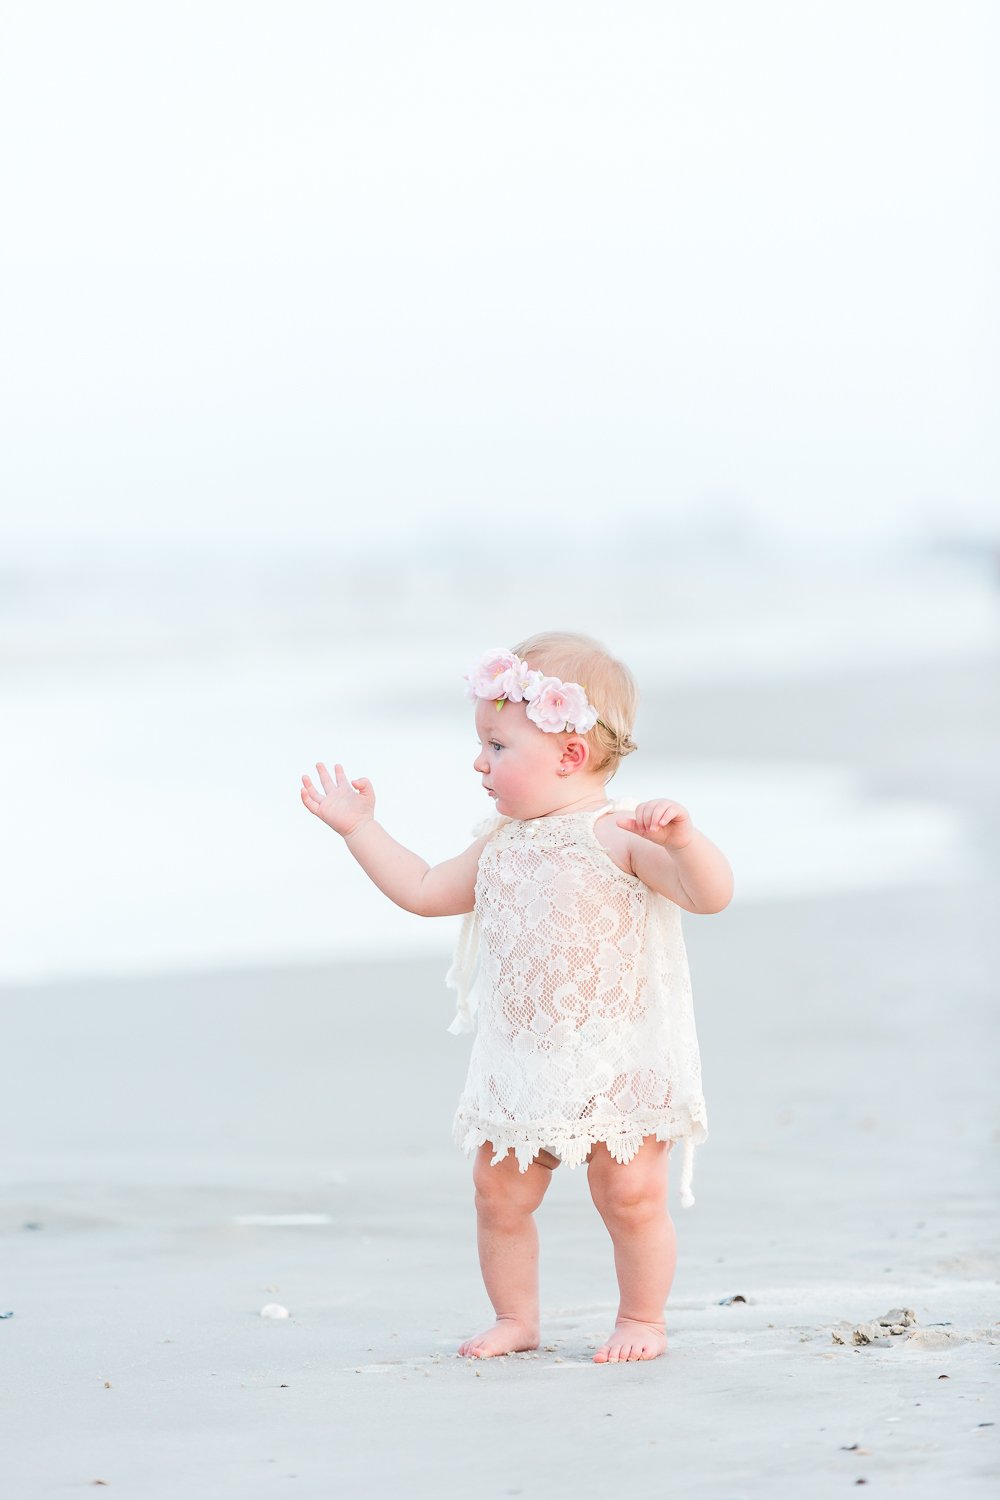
(608, 683)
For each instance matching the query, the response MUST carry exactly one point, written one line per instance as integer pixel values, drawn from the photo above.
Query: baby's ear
(577, 750)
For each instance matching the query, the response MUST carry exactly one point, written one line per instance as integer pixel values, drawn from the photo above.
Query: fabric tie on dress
(463, 969)
(687, 1169)
(459, 976)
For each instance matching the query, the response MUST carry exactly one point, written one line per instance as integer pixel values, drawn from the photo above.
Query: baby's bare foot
(507, 1336)
(632, 1340)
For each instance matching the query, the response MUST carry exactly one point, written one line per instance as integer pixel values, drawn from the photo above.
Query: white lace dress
(574, 976)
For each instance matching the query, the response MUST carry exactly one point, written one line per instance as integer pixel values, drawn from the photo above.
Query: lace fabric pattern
(574, 976)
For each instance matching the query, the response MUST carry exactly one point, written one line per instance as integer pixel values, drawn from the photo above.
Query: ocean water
(158, 715)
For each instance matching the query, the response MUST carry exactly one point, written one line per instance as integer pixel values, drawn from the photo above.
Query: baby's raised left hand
(665, 823)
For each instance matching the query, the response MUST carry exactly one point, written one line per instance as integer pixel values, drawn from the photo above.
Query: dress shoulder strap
(621, 804)
(489, 825)
(618, 804)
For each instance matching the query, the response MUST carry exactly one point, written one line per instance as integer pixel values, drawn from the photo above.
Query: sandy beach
(179, 1152)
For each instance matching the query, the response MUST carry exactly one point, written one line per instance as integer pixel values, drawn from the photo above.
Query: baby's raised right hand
(338, 805)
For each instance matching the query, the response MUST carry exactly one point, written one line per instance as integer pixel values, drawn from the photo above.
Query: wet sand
(849, 1048)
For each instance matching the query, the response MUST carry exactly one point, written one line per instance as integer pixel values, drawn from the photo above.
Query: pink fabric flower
(501, 674)
(552, 704)
(488, 678)
(557, 706)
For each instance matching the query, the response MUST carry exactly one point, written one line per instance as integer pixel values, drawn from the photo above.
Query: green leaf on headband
(500, 703)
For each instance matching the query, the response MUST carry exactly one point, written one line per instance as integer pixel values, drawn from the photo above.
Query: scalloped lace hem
(572, 1143)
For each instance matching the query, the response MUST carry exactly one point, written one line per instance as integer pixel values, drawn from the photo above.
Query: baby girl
(571, 970)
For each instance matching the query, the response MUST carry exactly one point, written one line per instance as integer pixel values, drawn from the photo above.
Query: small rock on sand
(891, 1324)
(902, 1317)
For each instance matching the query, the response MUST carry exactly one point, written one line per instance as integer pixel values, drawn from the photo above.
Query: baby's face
(518, 762)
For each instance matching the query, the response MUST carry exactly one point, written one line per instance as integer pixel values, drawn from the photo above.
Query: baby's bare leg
(506, 1200)
(632, 1200)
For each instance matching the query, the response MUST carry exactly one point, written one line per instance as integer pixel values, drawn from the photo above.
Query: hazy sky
(287, 268)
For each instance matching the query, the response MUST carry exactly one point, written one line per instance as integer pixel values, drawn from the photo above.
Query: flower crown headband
(552, 704)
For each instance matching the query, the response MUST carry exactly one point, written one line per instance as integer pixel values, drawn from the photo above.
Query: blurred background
(342, 343)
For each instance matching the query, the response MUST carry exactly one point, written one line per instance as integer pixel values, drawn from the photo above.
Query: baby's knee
(633, 1202)
(496, 1205)
(634, 1194)
(504, 1190)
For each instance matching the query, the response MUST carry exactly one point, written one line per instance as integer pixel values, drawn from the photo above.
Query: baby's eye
(495, 745)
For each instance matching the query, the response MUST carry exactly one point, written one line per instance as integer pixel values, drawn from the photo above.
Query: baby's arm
(671, 856)
(443, 890)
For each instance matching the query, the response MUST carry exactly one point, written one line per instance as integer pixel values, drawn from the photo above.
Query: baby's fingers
(626, 823)
(325, 777)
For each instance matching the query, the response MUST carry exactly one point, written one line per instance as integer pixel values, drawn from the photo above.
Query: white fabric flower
(522, 681)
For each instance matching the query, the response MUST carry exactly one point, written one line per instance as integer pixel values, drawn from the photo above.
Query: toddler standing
(570, 967)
